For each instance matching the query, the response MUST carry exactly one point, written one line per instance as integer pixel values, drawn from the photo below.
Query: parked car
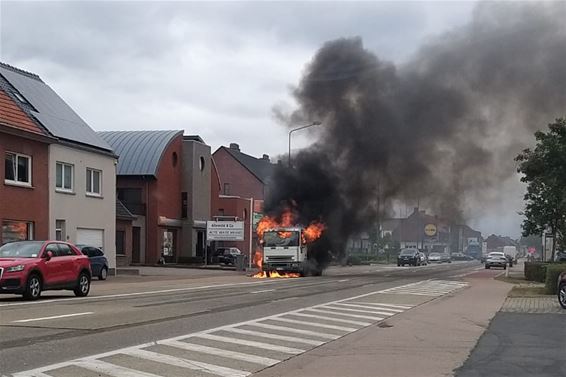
(460, 256)
(30, 267)
(98, 261)
(560, 256)
(410, 257)
(562, 290)
(227, 255)
(496, 259)
(423, 258)
(439, 258)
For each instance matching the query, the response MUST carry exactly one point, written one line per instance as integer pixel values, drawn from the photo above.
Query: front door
(136, 244)
(53, 267)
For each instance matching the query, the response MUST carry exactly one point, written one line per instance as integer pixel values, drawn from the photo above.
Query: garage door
(91, 237)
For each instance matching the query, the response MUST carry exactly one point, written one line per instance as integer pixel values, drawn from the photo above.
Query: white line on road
(53, 317)
(406, 307)
(319, 310)
(343, 280)
(251, 343)
(292, 339)
(112, 369)
(186, 363)
(381, 312)
(324, 318)
(315, 324)
(262, 291)
(220, 352)
(373, 308)
(294, 330)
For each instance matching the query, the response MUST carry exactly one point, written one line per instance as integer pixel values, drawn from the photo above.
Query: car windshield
(25, 249)
(407, 252)
(281, 238)
(434, 255)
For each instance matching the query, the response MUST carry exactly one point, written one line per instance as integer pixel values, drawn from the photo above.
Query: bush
(535, 271)
(552, 273)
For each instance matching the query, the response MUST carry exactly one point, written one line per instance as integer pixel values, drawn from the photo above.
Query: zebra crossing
(240, 349)
(433, 288)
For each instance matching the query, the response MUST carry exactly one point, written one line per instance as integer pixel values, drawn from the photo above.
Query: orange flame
(275, 274)
(258, 258)
(313, 232)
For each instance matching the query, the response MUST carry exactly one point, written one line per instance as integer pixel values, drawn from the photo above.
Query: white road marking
(112, 369)
(324, 318)
(251, 343)
(292, 339)
(373, 318)
(387, 313)
(406, 307)
(262, 291)
(185, 363)
(31, 374)
(343, 280)
(267, 361)
(52, 317)
(371, 308)
(315, 324)
(293, 330)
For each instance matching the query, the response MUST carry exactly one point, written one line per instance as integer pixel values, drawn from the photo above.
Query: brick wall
(242, 182)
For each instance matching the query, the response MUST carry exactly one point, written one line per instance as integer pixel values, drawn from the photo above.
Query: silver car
(496, 259)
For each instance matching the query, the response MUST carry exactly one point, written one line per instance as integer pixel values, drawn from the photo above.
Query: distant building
(164, 181)
(80, 167)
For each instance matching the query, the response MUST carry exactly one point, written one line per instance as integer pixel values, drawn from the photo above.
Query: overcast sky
(215, 69)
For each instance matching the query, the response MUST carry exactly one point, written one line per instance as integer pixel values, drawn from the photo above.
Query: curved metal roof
(139, 151)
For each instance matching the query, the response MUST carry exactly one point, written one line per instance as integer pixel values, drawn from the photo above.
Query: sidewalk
(430, 340)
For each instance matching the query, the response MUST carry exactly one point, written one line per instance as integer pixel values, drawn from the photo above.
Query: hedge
(535, 271)
(552, 273)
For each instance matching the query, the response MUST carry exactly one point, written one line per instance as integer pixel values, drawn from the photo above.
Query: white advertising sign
(225, 230)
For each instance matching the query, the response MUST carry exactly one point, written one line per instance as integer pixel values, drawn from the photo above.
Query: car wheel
(83, 285)
(33, 288)
(504, 267)
(486, 267)
(398, 264)
(562, 295)
(103, 273)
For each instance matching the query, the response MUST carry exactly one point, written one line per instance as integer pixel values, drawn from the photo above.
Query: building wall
(196, 183)
(78, 209)
(242, 182)
(36, 198)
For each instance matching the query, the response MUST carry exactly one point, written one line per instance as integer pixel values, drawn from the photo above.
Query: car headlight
(19, 267)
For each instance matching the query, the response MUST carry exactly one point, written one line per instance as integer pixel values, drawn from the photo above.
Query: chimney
(265, 157)
(235, 146)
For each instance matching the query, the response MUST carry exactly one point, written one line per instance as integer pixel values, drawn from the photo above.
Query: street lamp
(315, 123)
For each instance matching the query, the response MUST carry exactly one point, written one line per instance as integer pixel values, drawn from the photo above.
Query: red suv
(29, 267)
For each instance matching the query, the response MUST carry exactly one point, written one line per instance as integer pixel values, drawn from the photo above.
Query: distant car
(98, 261)
(227, 255)
(439, 258)
(423, 258)
(460, 256)
(30, 267)
(560, 256)
(562, 290)
(410, 257)
(496, 259)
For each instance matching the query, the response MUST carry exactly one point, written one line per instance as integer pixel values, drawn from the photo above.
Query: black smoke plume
(441, 129)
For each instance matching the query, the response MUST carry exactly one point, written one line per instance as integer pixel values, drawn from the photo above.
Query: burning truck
(286, 248)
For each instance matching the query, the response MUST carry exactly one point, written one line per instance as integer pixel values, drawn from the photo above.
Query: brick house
(24, 147)
(163, 180)
(240, 183)
(78, 185)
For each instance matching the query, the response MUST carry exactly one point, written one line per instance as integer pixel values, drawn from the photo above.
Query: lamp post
(316, 123)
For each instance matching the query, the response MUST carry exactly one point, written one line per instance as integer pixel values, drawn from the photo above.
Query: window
(64, 177)
(201, 163)
(174, 159)
(16, 231)
(17, 169)
(184, 205)
(53, 248)
(226, 189)
(65, 250)
(93, 178)
(60, 234)
(120, 235)
(19, 97)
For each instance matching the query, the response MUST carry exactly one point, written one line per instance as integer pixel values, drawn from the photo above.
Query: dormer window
(19, 97)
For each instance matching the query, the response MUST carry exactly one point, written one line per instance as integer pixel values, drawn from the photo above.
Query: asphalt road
(60, 327)
(520, 345)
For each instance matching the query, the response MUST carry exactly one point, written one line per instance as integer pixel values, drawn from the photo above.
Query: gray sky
(215, 69)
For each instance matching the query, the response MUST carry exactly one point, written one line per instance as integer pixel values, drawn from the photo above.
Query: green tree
(544, 171)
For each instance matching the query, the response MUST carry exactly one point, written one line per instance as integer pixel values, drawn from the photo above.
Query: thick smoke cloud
(440, 129)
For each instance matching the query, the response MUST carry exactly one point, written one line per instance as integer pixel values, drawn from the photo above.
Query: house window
(226, 189)
(60, 233)
(93, 182)
(184, 205)
(17, 169)
(64, 177)
(16, 231)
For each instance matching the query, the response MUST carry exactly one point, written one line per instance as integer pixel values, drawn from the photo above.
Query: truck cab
(284, 250)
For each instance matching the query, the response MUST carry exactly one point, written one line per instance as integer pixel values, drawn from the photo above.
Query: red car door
(69, 270)
(52, 269)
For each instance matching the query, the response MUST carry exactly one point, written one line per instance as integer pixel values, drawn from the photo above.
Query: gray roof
(122, 212)
(50, 109)
(262, 169)
(139, 151)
